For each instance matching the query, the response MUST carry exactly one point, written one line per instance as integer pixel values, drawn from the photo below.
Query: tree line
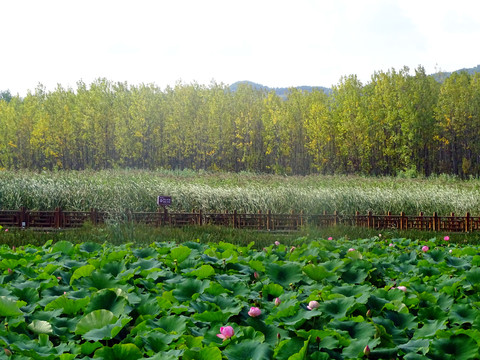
(396, 122)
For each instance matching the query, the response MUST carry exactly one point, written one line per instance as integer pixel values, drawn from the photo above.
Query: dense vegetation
(327, 299)
(396, 122)
(115, 191)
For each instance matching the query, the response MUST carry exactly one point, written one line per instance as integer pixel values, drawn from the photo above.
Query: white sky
(272, 42)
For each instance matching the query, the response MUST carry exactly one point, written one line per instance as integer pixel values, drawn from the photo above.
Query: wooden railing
(58, 219)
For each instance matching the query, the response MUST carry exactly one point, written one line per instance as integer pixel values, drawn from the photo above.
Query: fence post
(369, 220)
(234, 218)
(93, 216)
(200, 217)
(435, 222)
(402, 220)
(259, 224)
(467, 222)
(335, 218)
(23, 217)
(57, 218)
(269, 220)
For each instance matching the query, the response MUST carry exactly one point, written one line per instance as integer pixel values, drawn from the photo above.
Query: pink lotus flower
(226, 332)
(292, 249)
(313, 305)
(425, 248)
(391, 245)
(403, 288)
(277, 243)
(351, 249)
(450, 251)
(6, 230)
(446, 238)
(277, 301)
(254, 312)
(330, 238)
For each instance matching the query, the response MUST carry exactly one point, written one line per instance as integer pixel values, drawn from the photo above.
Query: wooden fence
(58, 219)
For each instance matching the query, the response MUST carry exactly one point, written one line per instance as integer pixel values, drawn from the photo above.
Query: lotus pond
(324, 299)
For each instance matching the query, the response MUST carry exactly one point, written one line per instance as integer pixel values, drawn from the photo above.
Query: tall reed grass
(115, 191)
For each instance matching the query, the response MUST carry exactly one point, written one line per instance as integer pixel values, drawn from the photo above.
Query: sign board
(164, 200)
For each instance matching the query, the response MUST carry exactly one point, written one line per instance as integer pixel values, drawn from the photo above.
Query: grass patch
(138, 234)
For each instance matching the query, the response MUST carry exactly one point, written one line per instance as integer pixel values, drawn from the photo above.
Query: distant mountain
(442, 75)
(283, 91)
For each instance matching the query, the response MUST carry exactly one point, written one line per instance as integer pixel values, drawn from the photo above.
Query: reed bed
(116, 191)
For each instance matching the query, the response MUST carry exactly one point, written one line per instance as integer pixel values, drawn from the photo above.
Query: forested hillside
(395, 122)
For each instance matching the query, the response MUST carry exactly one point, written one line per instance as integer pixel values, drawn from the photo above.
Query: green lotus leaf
(9, 307)
(415, 346)
(113, 268)
(436, 255)
(119, 351)
(355, 349)
(179, 253)
(432, 313)
(402, 320)
(456, 347)
(147, 264)
(355, 272)
(248, 349)
(109, 300)
(173, 324)
(99, 281)
(158, 341)
(429, 329)
(203, 272)
(100, 325)
(40, 327)
(188, 287)
(257, 265)
(213, 316)
(462, 313)
(337, 308)
(356, 330)
(361, 293)
(65, 247)
(302, 353)
(289, 273)
(144, 253)
(206, 353)
(82, 271)
(68, 306)
(473, 276)
(89, 347)
(12, 263)
(274, 290)
(90, 247)
(95, 320)
(458, 263)
(318, 272)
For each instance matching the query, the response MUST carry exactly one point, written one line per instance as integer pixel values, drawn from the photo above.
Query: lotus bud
(277, 301)
(255, 275)
(7, 352)
(369, 313)
(403, 288)
(254, 312)
(278, 336)
(317, 339)
(313, 305)
(366, 351)
(9, 271)
(351, 249)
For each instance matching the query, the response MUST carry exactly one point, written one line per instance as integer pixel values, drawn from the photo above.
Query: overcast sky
(275, 43)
